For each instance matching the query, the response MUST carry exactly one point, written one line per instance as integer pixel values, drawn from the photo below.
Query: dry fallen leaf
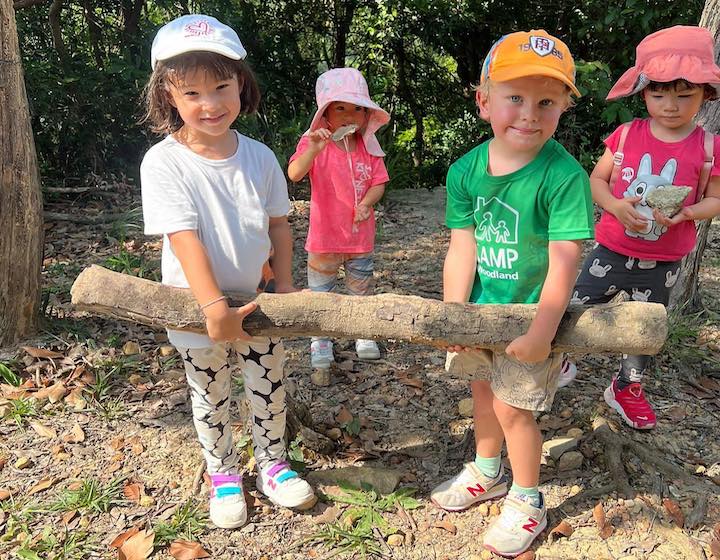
(43, 430)
(675, 512)
(563, 528)
(412, 382)
(330, 515)
(137, 547)
(69, 516)
(449, 527)
(137, 448)
(44, 484)
(41, 352)
(527, 555)
(5, 494)
(122, 537)
(604, 528)
(344, 416)
(74, 486)
(716, 531)
(715, 548)
(187, 550)
(76, 435)
(57, 392)
(134, 491)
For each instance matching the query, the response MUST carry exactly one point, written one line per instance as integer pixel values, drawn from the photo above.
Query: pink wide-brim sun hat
(682, 52)
(348, 85)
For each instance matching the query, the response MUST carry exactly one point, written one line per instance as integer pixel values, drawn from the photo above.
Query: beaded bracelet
(212, 302)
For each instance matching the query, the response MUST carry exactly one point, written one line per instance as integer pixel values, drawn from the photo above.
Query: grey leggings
(208, 374)
(605, 273)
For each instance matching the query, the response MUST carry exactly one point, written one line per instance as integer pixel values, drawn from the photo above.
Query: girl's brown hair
(160, 113)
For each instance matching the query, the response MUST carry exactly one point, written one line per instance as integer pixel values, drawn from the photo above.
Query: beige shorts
(526, 386)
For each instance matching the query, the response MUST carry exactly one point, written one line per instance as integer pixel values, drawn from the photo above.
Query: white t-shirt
(228, 202)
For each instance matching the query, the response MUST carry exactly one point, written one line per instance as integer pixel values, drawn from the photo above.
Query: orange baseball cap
(529, 53)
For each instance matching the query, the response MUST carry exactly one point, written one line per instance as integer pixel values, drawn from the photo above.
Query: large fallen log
(629, 327)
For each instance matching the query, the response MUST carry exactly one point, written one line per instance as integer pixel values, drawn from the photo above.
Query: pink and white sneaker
(284, 487)
(632, 405)
(568, 373)
(227, 502)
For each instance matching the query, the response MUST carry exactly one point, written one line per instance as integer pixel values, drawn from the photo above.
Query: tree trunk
(344, 12)
(686, 294)
(21, 227)
(629, 327)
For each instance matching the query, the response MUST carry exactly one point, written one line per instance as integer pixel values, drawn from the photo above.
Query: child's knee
(510, 416)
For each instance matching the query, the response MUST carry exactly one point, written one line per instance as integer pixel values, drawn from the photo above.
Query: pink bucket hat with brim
(348, 84)
(682, 52)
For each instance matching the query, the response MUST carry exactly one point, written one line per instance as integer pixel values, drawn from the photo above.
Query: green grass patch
(8, 376)
(22, 409)
(91, 496)
(69, 545)
(187, 523)
(362, 524)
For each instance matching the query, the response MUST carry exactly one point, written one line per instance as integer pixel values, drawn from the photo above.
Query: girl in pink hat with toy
(347, 178)
(641, 238)
(219, 199)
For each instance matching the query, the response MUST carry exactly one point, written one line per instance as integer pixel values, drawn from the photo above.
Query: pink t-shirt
(648, 163)
(332, 201)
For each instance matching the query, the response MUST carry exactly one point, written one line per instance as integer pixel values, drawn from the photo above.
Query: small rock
(23, 463)
(320, 377)
(575, 489)
(130, 348)
(570, 461)
(557, 446)
(667, 199)
(402, 402)
(396, 540)
(334, 433)
(147, 501)
(465, 407)
(486, 555)
(483, 509)
(565, 413)
(167, 350)
(135, 379)
(383, 480)
(576, 433)
(494, 510)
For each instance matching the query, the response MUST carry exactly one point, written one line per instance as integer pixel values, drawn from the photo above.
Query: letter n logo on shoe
(530, 525)
(476, 490)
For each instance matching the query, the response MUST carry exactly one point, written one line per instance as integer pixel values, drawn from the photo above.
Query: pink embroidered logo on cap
(201, 28)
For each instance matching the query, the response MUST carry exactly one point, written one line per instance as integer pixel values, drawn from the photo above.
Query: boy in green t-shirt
(518, 206)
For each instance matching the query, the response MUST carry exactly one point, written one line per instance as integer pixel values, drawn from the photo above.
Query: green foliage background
(420, 57)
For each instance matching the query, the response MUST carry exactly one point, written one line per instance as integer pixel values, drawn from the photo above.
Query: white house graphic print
(496, 233)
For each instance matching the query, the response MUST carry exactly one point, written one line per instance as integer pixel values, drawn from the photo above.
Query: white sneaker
(517, 527)
(227, 502)
(321, 354)
(469, 487)
(367, 349)
(568, 372)
(284, 486)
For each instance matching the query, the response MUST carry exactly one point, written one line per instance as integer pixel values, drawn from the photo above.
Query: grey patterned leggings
(208, 374)
(605, 273)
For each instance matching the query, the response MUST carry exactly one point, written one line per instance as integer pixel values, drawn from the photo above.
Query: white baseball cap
(195, 32)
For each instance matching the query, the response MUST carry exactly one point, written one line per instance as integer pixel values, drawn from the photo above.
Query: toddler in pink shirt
(347, 178)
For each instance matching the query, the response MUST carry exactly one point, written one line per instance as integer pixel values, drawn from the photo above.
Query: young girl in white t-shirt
(220, 200)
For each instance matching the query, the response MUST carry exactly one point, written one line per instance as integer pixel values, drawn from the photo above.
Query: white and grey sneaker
(321, 353)
(516, 528)
(367, 349)
(469, 487)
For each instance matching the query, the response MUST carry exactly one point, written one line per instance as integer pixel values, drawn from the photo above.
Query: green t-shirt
(515, 216)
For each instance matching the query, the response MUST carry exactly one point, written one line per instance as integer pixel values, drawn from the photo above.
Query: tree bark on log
(628, 327)
(21, 228)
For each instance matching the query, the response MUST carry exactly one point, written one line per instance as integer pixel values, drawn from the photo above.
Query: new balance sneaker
(568, 372)
(367, 349)
(469, 487)
(632, 405)
(227, 502)
(284, 487)
(516, 528)
(321, 354)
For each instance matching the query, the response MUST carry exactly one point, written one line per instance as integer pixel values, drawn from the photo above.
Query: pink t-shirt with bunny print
(332, 200)
(647, 164)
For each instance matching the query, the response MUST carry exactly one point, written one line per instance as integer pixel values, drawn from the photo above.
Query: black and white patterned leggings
(605, 273)
(208, 372)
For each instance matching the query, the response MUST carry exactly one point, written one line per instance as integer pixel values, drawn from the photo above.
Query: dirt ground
(98, 439)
